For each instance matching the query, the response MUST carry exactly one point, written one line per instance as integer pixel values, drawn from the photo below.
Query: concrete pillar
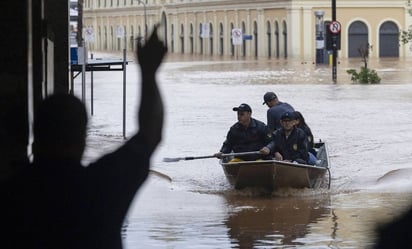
(294, 32)
(262, 37)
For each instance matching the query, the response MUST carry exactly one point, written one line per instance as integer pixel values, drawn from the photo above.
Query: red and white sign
(205, 30)
(237, 37)
(89, 34)
(335, 27)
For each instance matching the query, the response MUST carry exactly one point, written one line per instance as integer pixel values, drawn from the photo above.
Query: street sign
(89, 34)
(332, 40)
(119, 32)
(335, 27)
(237, 37)
(205, 31)
(247, 37)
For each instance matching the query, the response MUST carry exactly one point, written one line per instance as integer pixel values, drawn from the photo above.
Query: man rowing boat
(248, 134)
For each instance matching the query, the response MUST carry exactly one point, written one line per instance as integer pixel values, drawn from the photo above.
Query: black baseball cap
(242, 108)
(268, 97)
(288, 115)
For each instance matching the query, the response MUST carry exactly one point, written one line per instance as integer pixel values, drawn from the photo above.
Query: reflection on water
(264, 222)
(168, 217)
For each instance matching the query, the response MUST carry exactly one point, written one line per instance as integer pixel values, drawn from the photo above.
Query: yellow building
(270, 28)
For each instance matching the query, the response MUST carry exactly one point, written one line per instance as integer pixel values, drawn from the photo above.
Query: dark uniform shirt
(309, 134)
(241, 139)
(275, 112)
(294, 147)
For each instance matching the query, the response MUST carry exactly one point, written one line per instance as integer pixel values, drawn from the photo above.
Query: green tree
(365, 75)
(406, 35)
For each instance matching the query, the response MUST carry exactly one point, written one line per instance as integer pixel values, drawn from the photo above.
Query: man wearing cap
(248, 134)
(276, 109)
(288, 143)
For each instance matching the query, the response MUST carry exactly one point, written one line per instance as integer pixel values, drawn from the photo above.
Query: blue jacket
(275, 112)
(253, 138)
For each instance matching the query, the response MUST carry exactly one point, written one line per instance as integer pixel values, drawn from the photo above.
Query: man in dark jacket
(275, 111)
(288, 143)
(248, 134)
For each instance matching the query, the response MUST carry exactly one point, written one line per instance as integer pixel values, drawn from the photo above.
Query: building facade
(269, 28)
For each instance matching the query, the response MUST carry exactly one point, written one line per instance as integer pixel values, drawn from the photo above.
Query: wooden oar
(155, 172)
(176, 159)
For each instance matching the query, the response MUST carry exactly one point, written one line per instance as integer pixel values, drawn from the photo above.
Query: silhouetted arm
(150, 56)
(115, 178)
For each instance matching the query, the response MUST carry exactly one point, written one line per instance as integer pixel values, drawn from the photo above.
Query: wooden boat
(274, 174)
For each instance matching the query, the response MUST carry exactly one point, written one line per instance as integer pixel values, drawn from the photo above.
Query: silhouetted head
(60, 128)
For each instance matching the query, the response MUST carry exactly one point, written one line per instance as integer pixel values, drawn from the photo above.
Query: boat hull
(273, 174)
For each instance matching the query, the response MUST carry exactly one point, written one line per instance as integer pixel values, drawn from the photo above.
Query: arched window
(357, 37)
(269, 39)
(211, 38)
(105, 38)
(200, 39)
(182, 39)
(232, 47)
(99, 38)
(172, 38)
(389, 40)
(255, 35)
(191, 41)
(221, 36)
(132, 38)
(244, 43)
(277, 47)
(163, 26)
(112, 38)
(285, 39)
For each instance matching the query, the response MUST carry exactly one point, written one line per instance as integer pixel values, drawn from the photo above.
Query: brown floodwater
(189, 204)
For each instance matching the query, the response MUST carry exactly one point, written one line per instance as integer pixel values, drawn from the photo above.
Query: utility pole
(334, 45)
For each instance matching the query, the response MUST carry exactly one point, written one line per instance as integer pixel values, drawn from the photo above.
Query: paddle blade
(171, 159)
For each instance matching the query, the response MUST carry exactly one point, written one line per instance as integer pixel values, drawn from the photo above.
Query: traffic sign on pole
(237, 37)
(335, 27)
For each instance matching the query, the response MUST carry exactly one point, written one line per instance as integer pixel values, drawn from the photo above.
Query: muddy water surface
(367, 128)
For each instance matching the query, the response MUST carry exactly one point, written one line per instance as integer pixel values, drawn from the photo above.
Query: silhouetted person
(59, 203)
(396, 233)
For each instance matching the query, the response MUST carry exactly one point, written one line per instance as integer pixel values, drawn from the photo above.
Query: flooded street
(189, 204)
